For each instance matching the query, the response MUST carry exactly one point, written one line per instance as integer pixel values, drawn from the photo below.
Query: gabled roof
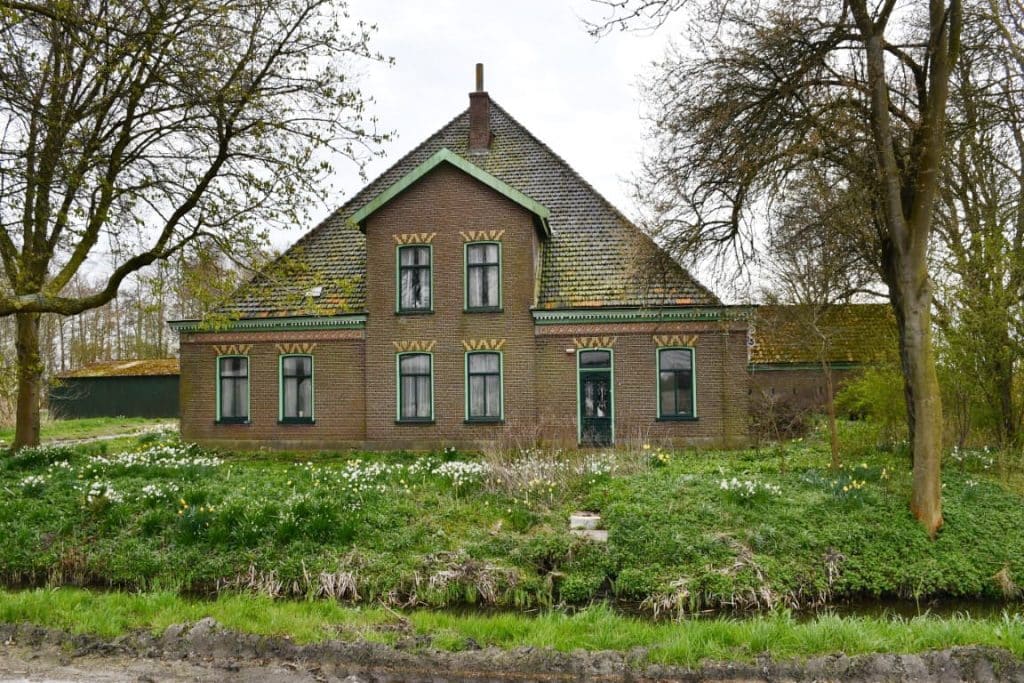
(447, 156)
(595, 257)
(153, 367)
(844, 334)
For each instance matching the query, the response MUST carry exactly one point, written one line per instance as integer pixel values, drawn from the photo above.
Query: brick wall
(338, 386)
(443, 205)
(800, 389)
(721, 384)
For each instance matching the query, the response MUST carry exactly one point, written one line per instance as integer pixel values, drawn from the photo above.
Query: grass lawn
(86, 428)
(685, 643)
(687, 530)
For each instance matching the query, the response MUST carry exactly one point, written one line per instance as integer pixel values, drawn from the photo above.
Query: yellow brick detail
(483, 344)
(300, 347)
(415, 238)
(419, 345)
(594, 342)
(661, 340)
(481, 235)
(232, 349)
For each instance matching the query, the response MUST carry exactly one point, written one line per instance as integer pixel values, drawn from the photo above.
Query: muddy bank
(206, 652)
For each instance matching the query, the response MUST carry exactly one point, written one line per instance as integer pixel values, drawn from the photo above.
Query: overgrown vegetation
(596, 628)
(453, 528)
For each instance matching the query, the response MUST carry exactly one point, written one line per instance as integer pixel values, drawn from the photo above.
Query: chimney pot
(479, 115)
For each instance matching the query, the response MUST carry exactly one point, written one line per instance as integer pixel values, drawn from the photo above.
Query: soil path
(204, 652)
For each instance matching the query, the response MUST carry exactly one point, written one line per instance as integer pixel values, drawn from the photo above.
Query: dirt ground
(205, 652)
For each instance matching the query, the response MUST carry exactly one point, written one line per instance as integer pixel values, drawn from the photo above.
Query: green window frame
(482, 273)
(485, 386)
(237, 378)
(302, 377)
(610, 369)
(676, 384)
(414, 278)
(415, 387)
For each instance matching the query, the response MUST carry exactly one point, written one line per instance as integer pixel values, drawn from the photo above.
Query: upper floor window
(414, 278)
(483, 386)
(483, 276)
(233, 389)
(296, 388)
(415, 387)
(676, 398)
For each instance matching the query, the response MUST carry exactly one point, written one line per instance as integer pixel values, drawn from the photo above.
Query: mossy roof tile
(154, 367)
(595, 256)
(851, 333)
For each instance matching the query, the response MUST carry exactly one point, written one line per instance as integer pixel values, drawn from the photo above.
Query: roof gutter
(336, 322)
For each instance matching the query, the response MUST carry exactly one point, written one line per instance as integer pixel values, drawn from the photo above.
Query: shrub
(579, 587)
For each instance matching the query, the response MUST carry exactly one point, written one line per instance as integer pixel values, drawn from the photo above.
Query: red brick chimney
(479, 115)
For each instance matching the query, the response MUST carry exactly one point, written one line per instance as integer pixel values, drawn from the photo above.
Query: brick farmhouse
(479, 291)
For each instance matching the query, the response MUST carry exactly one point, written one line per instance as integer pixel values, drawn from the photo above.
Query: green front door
(596, 399)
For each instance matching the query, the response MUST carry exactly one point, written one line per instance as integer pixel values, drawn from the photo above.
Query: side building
(792, 345)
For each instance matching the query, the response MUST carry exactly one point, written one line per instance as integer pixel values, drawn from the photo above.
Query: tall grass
(598, 627)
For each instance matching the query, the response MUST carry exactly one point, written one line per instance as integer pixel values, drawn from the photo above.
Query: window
(414, 279)
(296, 389)
(483, 387)
(675, 384)
(415, 387)
(483, 276)
(232, 389)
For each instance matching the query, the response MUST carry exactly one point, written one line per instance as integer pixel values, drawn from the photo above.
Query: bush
(580, 587)
(876, 394)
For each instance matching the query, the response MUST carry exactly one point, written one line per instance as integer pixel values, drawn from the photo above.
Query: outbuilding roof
(594, 257)
(853, 334)
(155, 367)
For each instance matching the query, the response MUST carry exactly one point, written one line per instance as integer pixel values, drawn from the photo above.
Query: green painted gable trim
(342, 322)
(637, 315)
(447, 156)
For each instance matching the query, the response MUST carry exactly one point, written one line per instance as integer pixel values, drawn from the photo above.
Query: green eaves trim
(783, 366)
(343, 322)
(629, 315)
(446, 155)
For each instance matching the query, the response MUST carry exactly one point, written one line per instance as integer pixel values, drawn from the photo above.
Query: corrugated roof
(126, 368)
(851, 333)
(595, 256)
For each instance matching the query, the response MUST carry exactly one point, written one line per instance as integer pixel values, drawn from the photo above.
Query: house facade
(479, 291)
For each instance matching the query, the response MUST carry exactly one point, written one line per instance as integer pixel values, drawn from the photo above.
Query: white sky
(576, 93)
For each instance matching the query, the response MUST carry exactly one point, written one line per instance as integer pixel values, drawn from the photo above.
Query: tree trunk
(1004, 378)
(924, 404)
(30, 374)
(830, 408)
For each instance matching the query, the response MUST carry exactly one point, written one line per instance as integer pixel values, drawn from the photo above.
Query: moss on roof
(595, 256)
(851, 333)
(154, 367)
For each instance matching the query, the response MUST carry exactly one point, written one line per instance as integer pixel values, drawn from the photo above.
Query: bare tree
(980, 222)
(763, 91)
(140, 128)
(818, 258)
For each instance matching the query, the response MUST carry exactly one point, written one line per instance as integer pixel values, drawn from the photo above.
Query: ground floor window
(233, 389)
(296, 389)
(483, 386)
(415, 387)
(676, 400)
